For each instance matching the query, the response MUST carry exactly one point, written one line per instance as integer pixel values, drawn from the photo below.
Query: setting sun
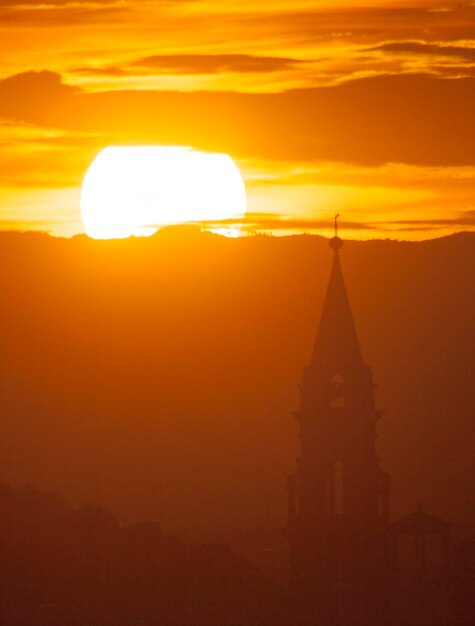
(136, 190)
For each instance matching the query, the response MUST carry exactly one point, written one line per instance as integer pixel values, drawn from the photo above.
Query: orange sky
(360, 108)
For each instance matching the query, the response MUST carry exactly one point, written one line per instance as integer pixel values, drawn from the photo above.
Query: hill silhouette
(157, 376)
(64, 565)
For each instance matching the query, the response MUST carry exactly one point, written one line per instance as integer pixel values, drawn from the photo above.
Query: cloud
(33, 95)
(54, 13)
(37, 83)
(40, 158)
(456, 181)
(419, 48)
(365, 24)
(456, 71)
(414, 119)
(59, 4)
(230, 31)
(266, 21)
(466, 218)
(194, 64)
(254, 222)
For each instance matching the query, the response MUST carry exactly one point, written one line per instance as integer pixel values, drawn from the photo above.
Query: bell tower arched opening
(337, 392)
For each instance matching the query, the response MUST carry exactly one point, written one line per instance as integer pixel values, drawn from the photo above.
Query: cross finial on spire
(335, 242)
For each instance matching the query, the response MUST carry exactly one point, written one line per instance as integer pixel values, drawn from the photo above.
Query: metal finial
(335, 242)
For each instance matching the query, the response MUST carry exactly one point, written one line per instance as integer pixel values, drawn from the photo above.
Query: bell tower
(338, 495)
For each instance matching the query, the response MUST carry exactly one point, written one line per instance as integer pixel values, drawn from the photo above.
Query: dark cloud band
(426, 49)
(186, 64)
(414, 119)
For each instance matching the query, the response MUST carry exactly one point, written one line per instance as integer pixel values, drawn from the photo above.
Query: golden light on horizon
(135, 190)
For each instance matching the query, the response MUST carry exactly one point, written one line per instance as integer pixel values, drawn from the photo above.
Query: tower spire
(338, 494)
(336, 345)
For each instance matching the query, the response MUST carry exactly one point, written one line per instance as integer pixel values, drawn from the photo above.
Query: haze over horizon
(101, 338)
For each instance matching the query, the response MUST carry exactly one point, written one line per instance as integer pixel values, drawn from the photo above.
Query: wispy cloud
(55, 13)
(33, 157)
(22, 5)
(193, 64)
(371, 23)
(426, 49)
(466, 218)
(278, 223)
(281, 223)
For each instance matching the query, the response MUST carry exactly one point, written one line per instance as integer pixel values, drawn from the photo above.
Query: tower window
(337, 395)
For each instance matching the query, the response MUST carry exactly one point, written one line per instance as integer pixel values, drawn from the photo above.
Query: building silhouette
(427, 553)
(338, 517)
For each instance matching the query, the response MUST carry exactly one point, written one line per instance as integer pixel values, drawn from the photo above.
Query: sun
(135, 190)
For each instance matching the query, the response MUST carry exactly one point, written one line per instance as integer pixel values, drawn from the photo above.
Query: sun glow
(136, 190)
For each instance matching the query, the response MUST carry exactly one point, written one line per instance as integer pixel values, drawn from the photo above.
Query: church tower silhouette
(338, 495)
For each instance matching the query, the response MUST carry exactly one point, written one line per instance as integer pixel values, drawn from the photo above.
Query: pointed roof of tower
(337, 348)
(420, 522)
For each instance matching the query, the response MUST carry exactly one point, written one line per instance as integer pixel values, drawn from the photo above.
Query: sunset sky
(362, 108)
